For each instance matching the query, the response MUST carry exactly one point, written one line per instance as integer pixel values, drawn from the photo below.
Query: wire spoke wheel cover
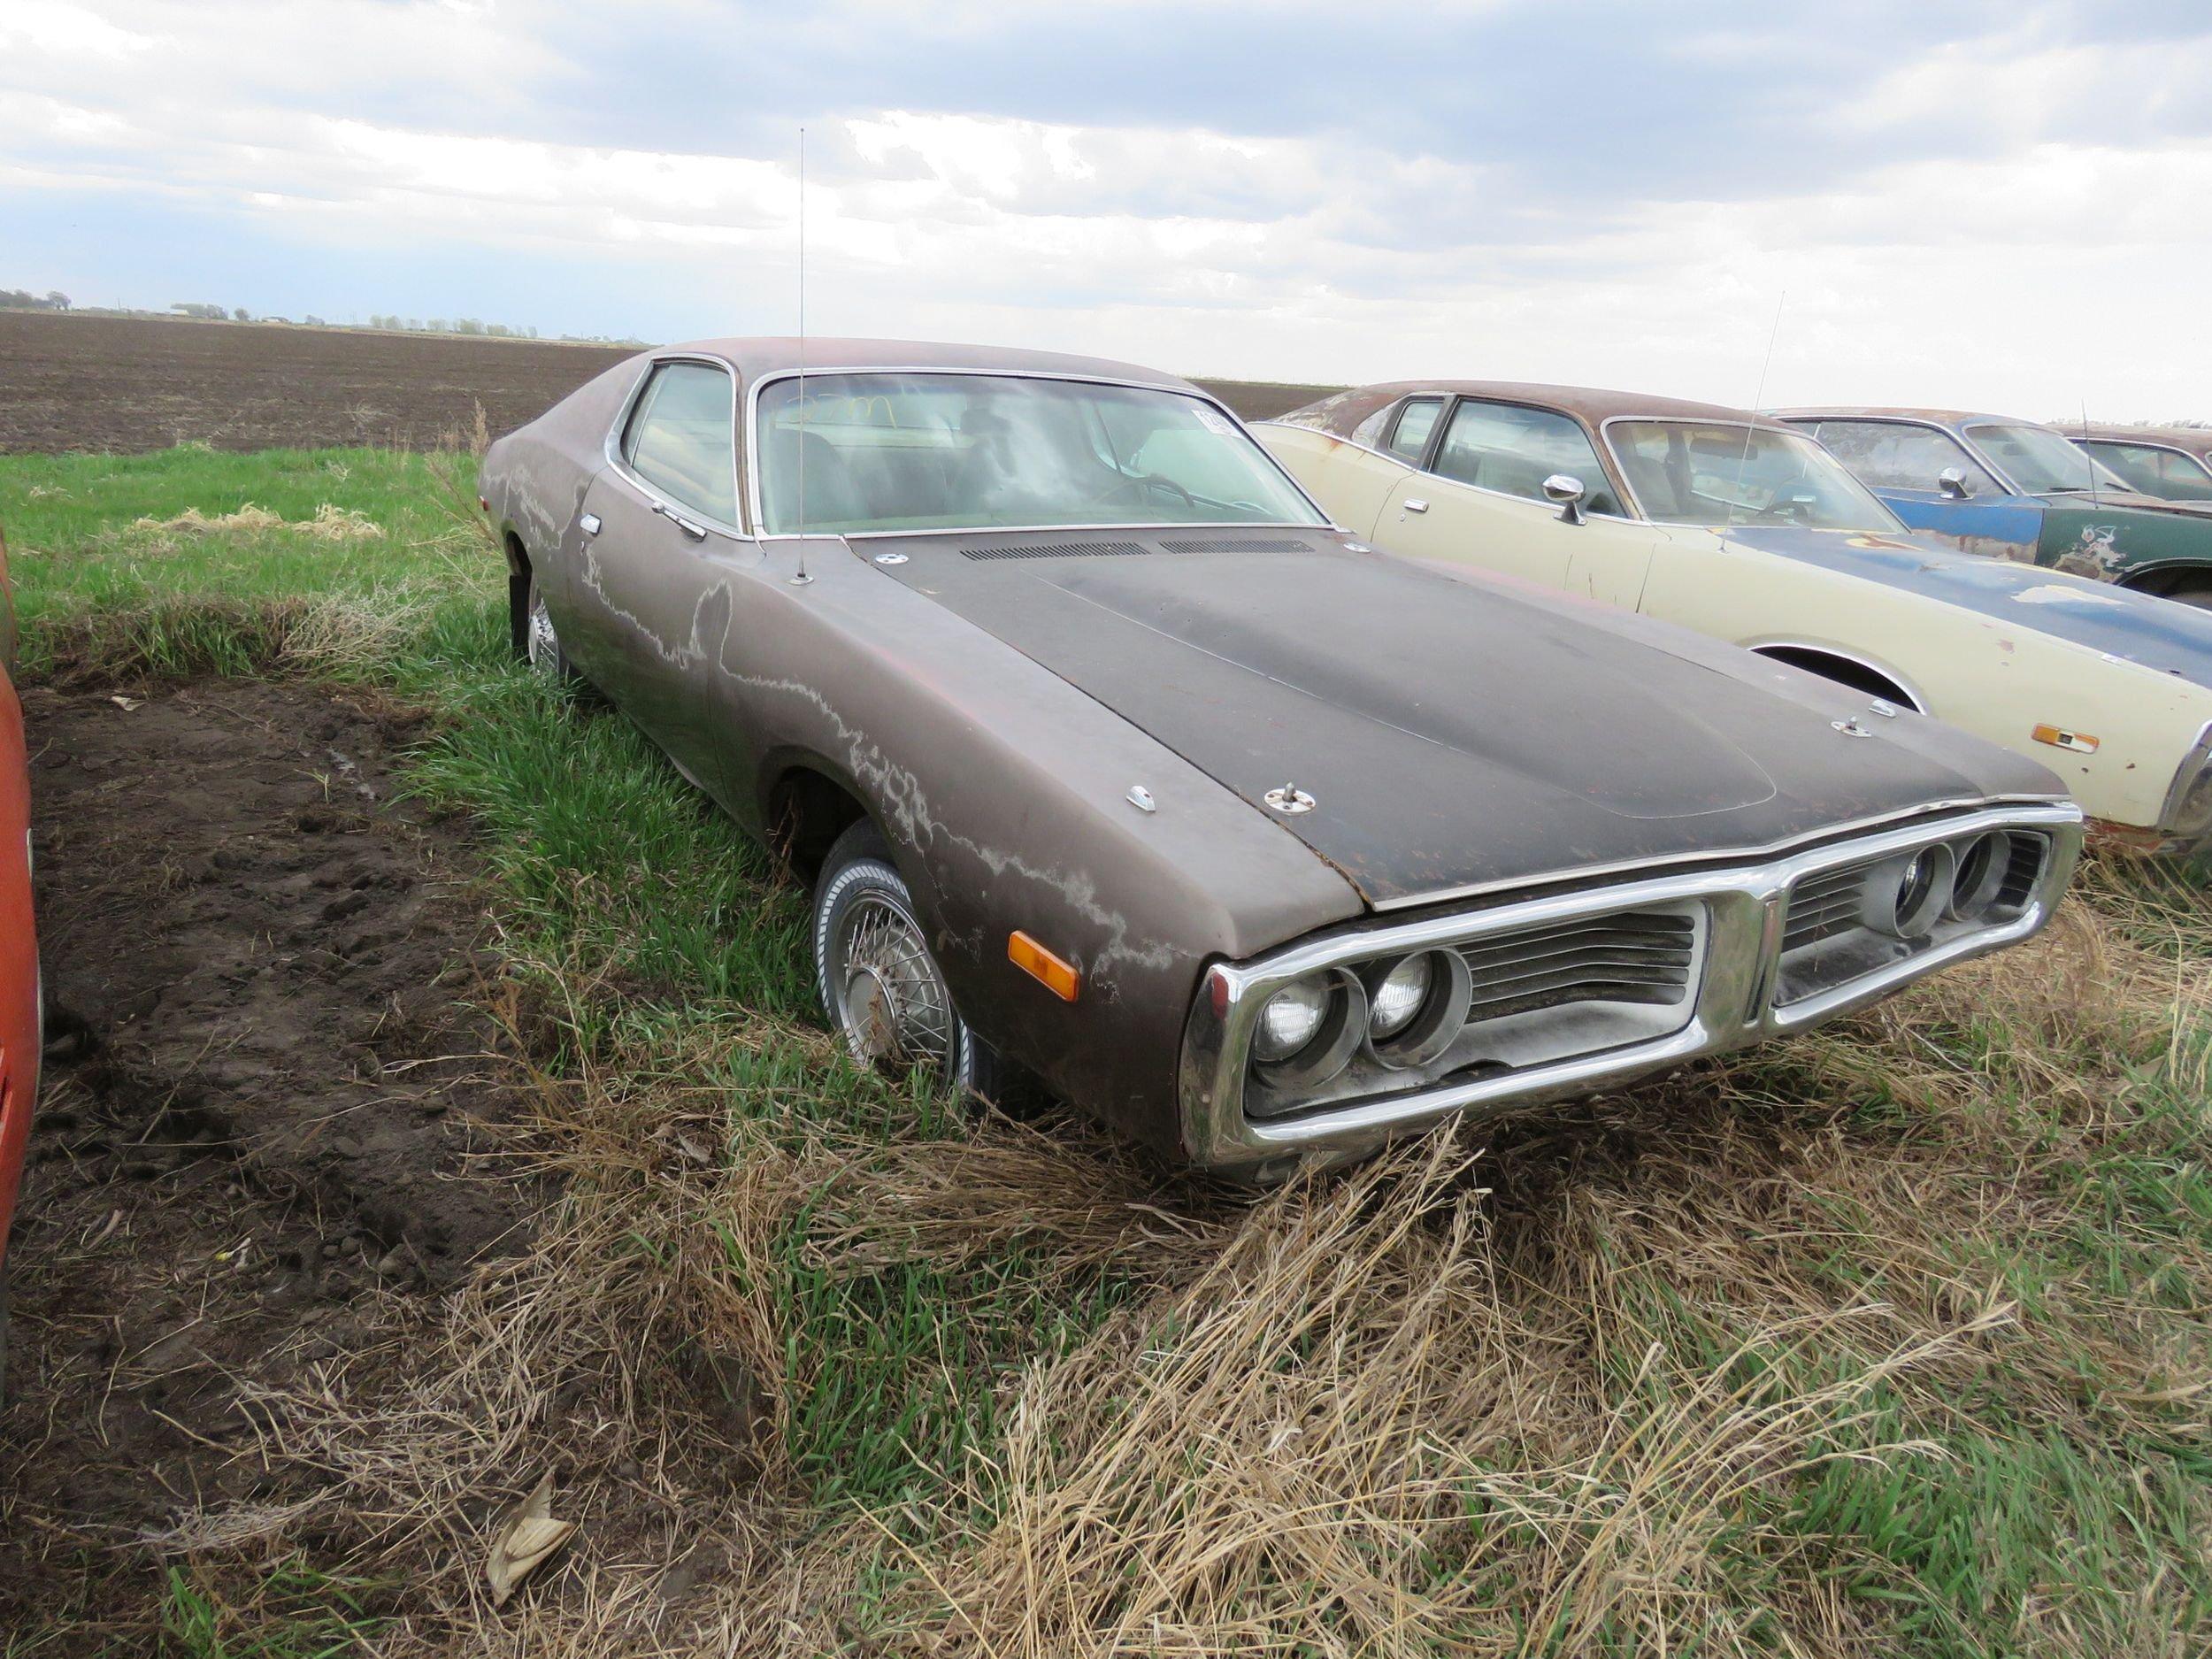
(891, 1002)
(541, 642)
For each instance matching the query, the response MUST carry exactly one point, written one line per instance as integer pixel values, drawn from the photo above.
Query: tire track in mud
(266, 1097)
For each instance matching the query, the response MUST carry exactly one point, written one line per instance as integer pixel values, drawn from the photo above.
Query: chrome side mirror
(1566, 490)
(1952, 481)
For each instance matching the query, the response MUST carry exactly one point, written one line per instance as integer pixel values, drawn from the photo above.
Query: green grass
(293, 1612)
(2056, 1492)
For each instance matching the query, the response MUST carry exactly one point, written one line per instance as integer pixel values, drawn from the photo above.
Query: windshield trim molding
(1896, 525)
(753, 472)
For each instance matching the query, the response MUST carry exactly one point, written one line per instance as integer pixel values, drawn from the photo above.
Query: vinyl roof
(1589, 405)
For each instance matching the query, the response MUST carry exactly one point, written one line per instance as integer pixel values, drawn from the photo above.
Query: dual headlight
(1907, 895)
(1403, 1011)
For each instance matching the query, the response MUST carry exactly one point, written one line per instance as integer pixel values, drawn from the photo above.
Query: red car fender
(18, 944)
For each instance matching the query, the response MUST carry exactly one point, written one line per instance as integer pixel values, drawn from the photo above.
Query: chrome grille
(1826, 938)
(1638, 957)
(2021, 870)
(1822, 905)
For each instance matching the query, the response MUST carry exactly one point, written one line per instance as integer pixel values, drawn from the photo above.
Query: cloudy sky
(2002, 204)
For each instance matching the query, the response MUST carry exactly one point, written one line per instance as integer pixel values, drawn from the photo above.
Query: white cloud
(2030, 236)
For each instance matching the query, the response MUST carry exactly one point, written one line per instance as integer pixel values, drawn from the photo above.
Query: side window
(1888, 455)
(2153, 468)
(1513, 449)
(681, 440)
(1415, 421)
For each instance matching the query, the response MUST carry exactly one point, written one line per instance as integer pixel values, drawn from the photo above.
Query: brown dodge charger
(1111, 761)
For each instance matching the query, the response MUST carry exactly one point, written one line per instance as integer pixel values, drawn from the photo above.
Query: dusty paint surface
(2156, 633)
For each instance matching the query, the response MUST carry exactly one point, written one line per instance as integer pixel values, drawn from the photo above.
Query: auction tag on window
(1215, 421)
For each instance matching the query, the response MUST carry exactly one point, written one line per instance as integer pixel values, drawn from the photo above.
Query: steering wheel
(1125, 483)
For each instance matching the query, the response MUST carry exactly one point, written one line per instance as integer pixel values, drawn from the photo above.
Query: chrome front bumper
(1734, 1003)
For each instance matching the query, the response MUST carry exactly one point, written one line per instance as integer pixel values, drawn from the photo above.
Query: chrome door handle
(697, 532)
(588, 523)
(1417, 506)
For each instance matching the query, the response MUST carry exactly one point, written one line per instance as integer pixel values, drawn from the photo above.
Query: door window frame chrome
(1594, 440)
(619, 464)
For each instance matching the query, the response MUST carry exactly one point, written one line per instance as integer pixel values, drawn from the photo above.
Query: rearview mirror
(1952, 481)
(1566, 490)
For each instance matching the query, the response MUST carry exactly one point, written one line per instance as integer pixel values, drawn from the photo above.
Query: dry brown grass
(330, 524)
(1546, 1388)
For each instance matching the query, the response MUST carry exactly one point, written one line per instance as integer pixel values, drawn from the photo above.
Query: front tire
(879, 984)
(541, 646)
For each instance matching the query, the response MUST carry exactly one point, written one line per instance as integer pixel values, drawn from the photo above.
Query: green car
(2019, 489)
(2172, 463)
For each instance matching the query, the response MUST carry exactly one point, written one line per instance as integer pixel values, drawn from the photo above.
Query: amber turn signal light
(2059, 737)
(1058, 977)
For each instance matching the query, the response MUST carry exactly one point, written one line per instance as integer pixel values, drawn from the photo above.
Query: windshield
(2042, 462)
(1688, 471)
(936, 451)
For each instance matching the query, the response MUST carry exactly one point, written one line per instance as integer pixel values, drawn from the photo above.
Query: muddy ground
(266, 1100)
(132, 383)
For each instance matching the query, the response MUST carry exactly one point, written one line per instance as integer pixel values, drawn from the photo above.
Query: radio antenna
(1757, 398)
(801, 579)
(2094, 501)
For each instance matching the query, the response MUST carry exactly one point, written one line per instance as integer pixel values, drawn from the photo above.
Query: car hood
(2117, 621)
(1453, 734)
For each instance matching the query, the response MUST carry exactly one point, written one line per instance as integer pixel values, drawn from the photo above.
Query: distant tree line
(457, 326)
(55, 300)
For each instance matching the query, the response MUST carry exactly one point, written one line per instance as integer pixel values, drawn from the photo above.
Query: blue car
(2021, 490)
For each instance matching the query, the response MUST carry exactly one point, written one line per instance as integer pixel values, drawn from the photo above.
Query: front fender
(1004, 793)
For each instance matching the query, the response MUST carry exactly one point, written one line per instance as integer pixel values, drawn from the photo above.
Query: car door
(660, 547)
(1479, 497)
(1903, 462)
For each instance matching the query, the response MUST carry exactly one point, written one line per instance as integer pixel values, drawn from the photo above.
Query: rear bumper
(1737, 999)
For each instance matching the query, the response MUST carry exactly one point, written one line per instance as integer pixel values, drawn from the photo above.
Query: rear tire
(2200, 597)
(879, 984)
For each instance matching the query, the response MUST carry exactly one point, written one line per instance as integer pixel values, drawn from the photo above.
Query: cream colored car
(1747, 530)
